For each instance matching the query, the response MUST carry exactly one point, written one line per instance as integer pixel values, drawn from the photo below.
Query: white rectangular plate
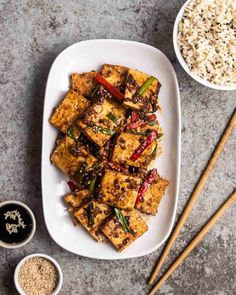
(87, 56)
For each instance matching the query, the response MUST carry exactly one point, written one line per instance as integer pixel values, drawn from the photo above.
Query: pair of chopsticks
(203, 179)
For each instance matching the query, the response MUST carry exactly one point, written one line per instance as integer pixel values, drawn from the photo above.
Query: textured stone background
(32, 34)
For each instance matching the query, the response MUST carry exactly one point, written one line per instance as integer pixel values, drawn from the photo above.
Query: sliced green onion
(122, 220)
(152, 123)
(103, 130)
(95, 90)
(79, 173)
(90, 210)
(144, 133)
(70, 132)
(113, 118)
(146, 85)
(159, 135)
(92, 183)
(154, 151)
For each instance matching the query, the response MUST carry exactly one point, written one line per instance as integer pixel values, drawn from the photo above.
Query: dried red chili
(113, 90)
(151, 137)
(152, 175)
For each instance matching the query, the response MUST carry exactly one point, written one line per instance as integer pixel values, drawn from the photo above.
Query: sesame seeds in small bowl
(38, 274)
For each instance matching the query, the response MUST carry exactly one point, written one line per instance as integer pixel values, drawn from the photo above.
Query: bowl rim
(28, 239)
(23, 260)
(183, 62)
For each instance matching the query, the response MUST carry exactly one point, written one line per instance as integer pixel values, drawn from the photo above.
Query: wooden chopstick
(195, 241)
(195, 194)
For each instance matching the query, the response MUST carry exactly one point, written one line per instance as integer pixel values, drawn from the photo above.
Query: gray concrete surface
(32, 34)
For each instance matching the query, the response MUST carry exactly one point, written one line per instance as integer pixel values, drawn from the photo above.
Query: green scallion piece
(113, 118)
(144, 133)
(70, 132)
(122, 220)
(90, 210)
(152, 123)
(95, 90)
(92, 183)
(146, 85)
(103, 130)
(154, 151)
(159, 135)
(79, 173)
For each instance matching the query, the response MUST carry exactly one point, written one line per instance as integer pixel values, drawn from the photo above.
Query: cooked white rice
(207, 39)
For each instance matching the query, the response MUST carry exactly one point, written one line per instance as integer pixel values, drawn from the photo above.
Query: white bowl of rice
(204, 39)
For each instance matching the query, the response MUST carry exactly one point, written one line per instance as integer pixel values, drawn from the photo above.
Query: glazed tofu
(92, 216)
(115, 75)
(72, 106)
(146, 102)
(97, 125)
(152, 198)
(119, 190)
(77, 198)
(126, 144)
(121, 239)
(84, 83)
(67, 156)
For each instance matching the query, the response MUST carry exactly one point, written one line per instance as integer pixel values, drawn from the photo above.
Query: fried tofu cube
(115, 75)
(102, 120)
(119, 190)
(153, 196)
(146, 102)
(154, 125)
(67, 156)
(126, 144)
(121, 239)
(84, 83)
(77, 198)
(72, 106)
(92, 216)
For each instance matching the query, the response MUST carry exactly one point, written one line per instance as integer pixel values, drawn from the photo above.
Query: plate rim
(178, 154)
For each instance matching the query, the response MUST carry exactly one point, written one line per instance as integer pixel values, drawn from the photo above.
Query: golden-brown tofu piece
(126, 144)
(92, 216)
(146, 102)
(84, 83)
(153, 196)
(119, 190)
(72, 106)
(77, 198)
(115, 75)
(67, 156)
(121, 239)
(97, 125)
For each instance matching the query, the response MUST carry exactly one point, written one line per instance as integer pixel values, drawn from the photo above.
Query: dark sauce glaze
(15, 224)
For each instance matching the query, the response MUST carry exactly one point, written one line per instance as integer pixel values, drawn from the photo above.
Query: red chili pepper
(116, 167)
(151, 137)
(134, 117)
(114, 91)
(152, 175)
(71, 185)
(151, 117)
(140, 123)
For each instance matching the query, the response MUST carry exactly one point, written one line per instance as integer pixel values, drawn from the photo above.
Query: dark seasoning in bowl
(15, 224)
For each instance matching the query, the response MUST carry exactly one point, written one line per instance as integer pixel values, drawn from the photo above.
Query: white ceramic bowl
(182, 61)
(23, 243)
(17, 270)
